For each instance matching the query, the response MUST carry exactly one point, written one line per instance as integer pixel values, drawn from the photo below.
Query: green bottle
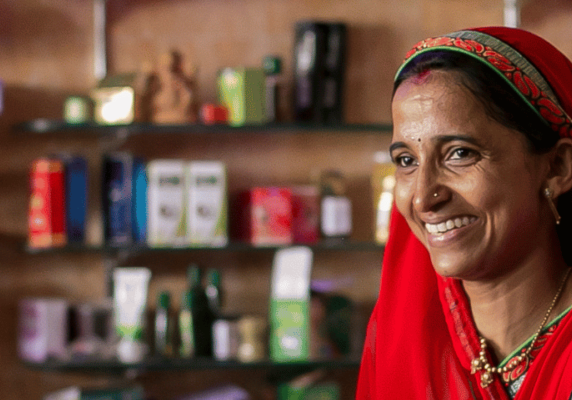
(163, 326)
(186, 326)
(202, 318)
(214, 292)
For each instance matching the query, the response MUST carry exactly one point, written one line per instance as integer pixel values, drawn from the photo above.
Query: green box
(242, 91)
(289, 323)
(323, 391)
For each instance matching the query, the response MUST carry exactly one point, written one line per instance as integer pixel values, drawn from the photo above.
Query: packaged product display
(129, 305)
(336, 207)
(225, 339)
(382, 183)
(305, 214)
(77, 109)
(334, 71)
(241, 91)
(167, 203)
(139, 201)
(43, 329)
(164, 325)
(46, 218)
(207, 203)
(196, 301)
(117, 200)
(78, 393)
(290, 303)
(76, 181)
(251, 338)
(265, 216)
(272, 66)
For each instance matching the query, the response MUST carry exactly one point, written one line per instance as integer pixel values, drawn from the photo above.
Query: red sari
(421, 337)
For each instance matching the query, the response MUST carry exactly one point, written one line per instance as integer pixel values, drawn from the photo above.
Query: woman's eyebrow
(397, 145)
(452, 138)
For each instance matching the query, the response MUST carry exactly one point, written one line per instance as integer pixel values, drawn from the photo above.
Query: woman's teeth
(449, 224)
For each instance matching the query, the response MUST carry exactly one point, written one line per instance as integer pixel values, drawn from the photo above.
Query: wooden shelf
(46, 126)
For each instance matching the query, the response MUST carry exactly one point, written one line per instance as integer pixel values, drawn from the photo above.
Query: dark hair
(502, 104)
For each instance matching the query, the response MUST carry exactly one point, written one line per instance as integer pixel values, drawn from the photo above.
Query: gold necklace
(481, 363)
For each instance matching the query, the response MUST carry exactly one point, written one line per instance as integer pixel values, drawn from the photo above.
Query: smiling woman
(475, 299)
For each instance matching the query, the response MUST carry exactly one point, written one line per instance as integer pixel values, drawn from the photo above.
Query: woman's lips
(443, 232)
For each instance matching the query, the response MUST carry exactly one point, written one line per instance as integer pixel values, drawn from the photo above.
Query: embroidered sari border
(513, 67)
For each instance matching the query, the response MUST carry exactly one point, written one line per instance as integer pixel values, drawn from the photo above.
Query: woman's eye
(462, 153)
(404, 161)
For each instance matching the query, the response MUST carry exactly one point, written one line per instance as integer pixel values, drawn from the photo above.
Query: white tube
(129, 303)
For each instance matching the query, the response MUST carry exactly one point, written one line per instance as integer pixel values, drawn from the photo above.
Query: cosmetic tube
(130, 300)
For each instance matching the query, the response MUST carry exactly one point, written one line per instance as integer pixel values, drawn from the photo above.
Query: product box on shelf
(265, 216)
(305, 214)
(334, 71)
(76, 179)
(77, 393)
(207, 204)
(46, 218)
(319, 67)
(139, 201)
(242, 92)
(290, 304)
(309, 52)
(117, 201)
(43, 329)
(166, 203)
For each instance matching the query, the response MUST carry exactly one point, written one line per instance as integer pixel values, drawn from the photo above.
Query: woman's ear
(560, 179)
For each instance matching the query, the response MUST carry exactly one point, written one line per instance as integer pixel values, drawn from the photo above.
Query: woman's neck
(509, 310)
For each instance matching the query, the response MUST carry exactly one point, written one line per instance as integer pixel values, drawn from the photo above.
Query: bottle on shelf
(272, 70)
(202, 318)
(187, 326)
(213, 291)
(163, 326)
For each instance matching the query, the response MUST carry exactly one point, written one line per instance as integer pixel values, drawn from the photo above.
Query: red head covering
(421, 338)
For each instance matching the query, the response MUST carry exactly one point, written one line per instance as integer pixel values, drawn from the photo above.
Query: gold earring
(548, 193)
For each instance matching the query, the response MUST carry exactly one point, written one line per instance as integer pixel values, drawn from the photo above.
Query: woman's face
(467, 186)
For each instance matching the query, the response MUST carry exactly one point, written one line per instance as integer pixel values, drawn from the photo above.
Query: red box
(213, 114)
(266, 216)
(46, 218)
(305, 214)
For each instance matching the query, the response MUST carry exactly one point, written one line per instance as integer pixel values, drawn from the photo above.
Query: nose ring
(435, 194)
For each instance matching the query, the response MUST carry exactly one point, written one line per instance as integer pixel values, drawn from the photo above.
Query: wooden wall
(46, 55)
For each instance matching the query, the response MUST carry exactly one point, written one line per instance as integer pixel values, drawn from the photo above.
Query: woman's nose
(430, 191)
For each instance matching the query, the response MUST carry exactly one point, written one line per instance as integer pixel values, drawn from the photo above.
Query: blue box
(76, 179)
(117, 192)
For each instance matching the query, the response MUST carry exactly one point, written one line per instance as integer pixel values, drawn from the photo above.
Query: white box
(43, 329)
(207, 206)
(166, 202)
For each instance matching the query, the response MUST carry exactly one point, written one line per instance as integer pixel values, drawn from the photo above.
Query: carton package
(77, 393)
(76, 177)
(305, 214)
(265, 216)
(290, 304)
(242, 92)
(207, 204)
(117, 201)
(166, 203)
(139, 201)
(43, 329)
(46, 217)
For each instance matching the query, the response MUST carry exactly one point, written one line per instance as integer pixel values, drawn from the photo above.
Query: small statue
(174, 96)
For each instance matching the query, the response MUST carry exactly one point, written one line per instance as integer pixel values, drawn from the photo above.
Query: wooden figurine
(174, 97)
